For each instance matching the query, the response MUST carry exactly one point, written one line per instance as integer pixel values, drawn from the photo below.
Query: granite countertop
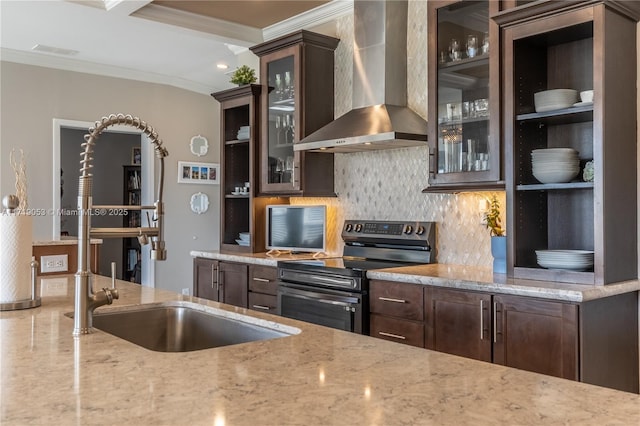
(321, 376)
(64, 241)
(458, 276)
(255, 258)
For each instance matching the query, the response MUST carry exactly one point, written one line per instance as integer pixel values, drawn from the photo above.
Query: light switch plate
(54, 263)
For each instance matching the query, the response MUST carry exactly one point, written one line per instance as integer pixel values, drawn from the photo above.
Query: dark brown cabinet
(297, 70)
(594, 341)
(459, 323)
(263, 288)
(397, 312)
(224, 282)
(580, 46)
(240, 212)
(464, 96)
(536, 335)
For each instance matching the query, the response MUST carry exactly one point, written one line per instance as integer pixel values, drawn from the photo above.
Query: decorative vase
(499, 253)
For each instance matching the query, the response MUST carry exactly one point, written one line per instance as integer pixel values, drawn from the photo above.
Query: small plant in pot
(498, 239)
(243, 75)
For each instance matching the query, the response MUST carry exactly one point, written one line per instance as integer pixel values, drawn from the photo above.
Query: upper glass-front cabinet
(282, 116)
(464, 96)
(298, 70)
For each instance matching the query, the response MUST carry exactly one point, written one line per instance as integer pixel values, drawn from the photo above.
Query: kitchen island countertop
(321, 376)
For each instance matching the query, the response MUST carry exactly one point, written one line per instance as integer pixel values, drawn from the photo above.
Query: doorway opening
(123, 170)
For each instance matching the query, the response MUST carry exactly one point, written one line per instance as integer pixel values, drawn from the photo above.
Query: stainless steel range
(334, 292)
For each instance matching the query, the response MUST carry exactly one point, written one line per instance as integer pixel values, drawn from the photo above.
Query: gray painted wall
(33, 96)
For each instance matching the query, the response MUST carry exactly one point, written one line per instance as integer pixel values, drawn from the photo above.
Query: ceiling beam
(224, 31)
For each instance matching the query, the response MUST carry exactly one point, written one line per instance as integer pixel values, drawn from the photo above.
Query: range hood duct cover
(380, 118)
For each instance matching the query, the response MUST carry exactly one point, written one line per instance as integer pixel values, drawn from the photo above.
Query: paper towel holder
(35, 300)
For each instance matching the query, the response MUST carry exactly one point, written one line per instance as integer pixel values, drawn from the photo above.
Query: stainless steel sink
(185, 326)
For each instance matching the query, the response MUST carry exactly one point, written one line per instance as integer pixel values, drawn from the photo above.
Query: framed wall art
(203, 173)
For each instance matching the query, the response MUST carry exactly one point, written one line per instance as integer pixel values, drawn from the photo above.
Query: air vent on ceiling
(54, 50)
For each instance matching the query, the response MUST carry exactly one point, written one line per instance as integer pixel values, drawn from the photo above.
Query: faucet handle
(113, 274)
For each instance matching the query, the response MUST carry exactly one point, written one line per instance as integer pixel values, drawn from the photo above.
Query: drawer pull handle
(264, 308)
(389, 299)
(395, 336)
(262, 280)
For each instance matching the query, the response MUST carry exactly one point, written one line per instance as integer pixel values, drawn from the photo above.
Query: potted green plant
(498, 238)
(243, 75)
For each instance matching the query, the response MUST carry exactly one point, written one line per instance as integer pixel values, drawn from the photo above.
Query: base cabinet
(594, 341)
(225, 282)
(397, 312)
(535, 335)
(459, 323)
(263, 288)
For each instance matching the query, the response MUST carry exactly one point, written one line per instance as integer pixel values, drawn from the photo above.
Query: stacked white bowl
(549, 100)
(555, 165)
(573, 260)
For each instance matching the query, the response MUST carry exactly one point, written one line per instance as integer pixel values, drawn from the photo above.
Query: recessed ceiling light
(54, 50)
(222, 66)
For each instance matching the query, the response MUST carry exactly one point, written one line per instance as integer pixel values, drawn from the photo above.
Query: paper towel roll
(15, 257)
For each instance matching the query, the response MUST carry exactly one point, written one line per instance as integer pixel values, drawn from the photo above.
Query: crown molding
(224, 31)
(66, 64)
(318, 16)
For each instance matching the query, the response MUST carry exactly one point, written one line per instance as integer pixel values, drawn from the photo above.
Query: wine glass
(472, 46)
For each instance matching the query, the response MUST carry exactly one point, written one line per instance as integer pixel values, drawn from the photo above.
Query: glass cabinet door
(282, 117)
(464, 144)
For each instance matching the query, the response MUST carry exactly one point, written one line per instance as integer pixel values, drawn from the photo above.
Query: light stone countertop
(254, 258)
(64, 241)
(483, 279)
(321, 376)
(459, 277)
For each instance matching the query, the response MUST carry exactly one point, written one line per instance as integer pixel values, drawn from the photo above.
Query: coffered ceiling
(173, 42)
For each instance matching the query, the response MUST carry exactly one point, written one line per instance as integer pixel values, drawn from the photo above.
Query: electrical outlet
(185, 291)
(54, 263)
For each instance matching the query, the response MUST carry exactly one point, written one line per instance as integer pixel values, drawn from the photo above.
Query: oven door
(335, 309)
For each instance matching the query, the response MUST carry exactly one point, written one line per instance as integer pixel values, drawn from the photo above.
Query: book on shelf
(134, 180)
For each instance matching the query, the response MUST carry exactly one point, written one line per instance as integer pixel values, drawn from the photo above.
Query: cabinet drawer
(397, 300)
(397, 330)
(263, 279)
(263, 302)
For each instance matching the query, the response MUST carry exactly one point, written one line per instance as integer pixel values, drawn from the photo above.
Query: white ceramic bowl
(245, 236)
(586, 96)
(555, 176)
(549, 100)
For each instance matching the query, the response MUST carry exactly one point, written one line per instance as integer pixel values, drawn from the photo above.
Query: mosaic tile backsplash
(387, 185)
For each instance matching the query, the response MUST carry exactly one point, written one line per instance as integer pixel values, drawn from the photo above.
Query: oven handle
(320, 297)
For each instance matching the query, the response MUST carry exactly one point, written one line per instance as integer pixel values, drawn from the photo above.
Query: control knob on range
(358, 227)
(407, 229)
(420, 230)
(349, 227)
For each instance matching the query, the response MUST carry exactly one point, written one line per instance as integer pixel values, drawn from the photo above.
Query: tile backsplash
(388, 184)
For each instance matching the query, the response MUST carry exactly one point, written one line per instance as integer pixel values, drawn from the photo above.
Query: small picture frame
(190, 172)
(136, 155)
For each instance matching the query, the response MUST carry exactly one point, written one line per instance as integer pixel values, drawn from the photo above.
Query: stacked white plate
(243, 133)
(555, 165)
(549, 100)
(244, 240)
(573, 260)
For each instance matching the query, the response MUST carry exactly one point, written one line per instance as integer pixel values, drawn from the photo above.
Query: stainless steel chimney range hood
(380, 118)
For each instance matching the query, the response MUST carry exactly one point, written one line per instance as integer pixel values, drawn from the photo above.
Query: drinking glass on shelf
(485, 43)
(278, 129)
(472, 46)
(288, 85)
(278, 91)
(454, 50)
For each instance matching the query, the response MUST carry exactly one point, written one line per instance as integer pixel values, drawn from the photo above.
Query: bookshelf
(132, 183)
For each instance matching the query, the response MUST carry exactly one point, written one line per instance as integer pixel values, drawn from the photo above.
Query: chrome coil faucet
(86, 301)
